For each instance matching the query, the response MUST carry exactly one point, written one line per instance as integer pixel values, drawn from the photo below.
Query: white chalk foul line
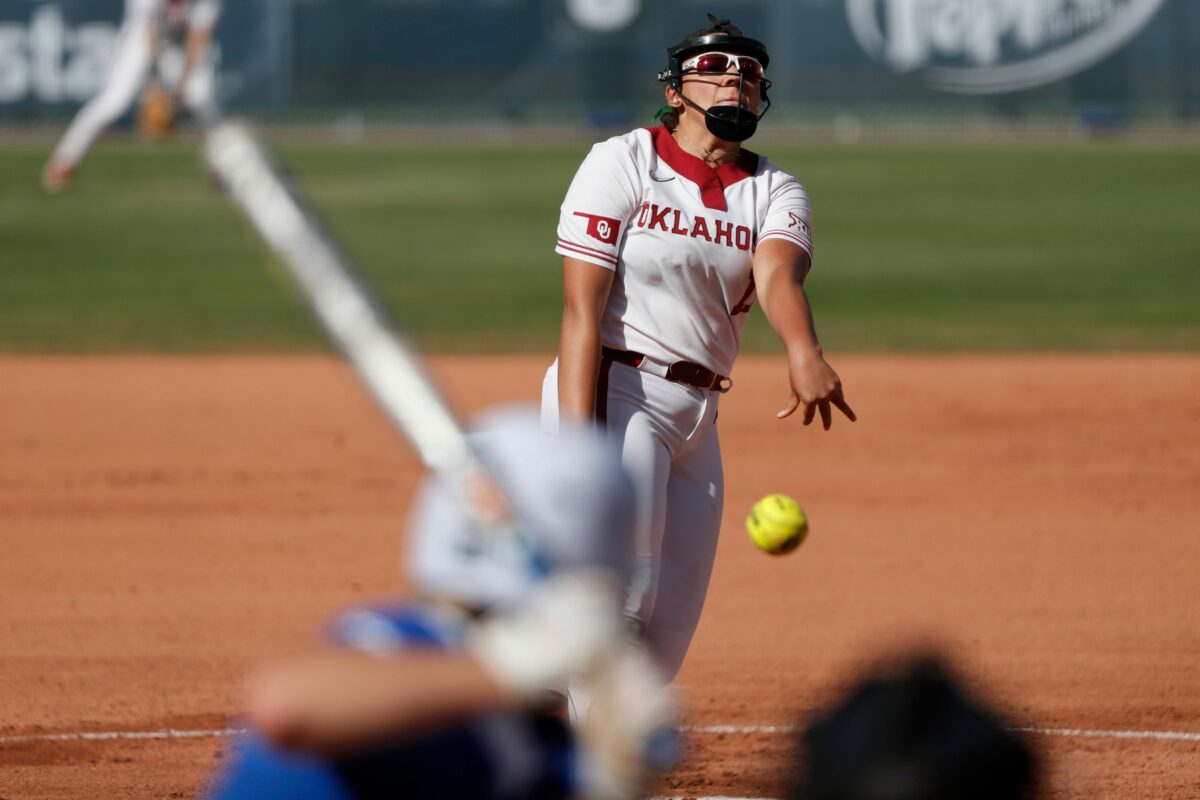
(85, 736)
(1167, 736)
(171, 733)
(1176, 736)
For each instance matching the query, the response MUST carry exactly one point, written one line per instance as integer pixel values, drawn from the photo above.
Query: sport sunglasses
(745, 66)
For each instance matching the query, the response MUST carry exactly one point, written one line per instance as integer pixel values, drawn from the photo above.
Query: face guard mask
(713, 52)
(728, 123)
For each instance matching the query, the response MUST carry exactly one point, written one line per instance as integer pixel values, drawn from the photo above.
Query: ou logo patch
(604, 229)
(972, 47)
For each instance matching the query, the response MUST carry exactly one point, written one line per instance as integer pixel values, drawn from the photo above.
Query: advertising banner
(566, 59)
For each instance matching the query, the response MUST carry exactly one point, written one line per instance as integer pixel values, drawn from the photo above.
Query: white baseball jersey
(180, 16)
(681, 238)
(134, 58)
(175, 16)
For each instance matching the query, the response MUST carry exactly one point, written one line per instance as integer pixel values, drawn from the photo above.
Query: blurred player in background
(667, 235)
(450, 695)
(164, 49)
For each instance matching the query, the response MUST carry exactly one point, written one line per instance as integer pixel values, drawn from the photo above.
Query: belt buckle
(691, 374)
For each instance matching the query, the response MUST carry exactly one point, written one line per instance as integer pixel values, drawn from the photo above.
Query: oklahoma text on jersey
(681, 238)
(726, 233)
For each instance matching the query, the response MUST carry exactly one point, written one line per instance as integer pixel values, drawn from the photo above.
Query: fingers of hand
(825, 405)
(792, 404)
(841, 403)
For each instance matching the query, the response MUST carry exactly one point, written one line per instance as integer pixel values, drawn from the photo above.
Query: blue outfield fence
(1106, 62)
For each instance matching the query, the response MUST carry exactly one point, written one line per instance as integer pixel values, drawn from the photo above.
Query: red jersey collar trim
(712, 182)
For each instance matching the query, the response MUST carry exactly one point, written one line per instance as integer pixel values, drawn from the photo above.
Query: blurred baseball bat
(348, 310)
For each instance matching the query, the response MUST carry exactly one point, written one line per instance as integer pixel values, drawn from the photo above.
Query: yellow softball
(777, 524)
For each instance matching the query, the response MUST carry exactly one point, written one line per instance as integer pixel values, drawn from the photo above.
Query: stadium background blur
(439, 137)
(1059, 216)
(846, 63)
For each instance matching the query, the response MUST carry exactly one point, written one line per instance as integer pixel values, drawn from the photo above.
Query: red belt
(684, 372)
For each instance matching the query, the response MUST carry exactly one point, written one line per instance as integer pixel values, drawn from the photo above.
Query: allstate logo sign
(993, 46)
(49, 61)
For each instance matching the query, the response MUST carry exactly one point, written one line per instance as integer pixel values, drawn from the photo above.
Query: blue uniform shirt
(495, 757)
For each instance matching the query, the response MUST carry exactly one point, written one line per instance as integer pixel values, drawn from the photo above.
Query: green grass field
(919, 248)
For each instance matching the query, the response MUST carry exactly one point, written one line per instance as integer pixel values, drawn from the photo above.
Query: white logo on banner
(51, 62)
(603, 16)
(993, 46)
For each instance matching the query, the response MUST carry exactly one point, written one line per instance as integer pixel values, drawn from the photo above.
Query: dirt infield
(166, 522)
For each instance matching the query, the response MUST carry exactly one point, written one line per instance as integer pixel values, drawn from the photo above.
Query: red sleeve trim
(587, 251)
(804, 243)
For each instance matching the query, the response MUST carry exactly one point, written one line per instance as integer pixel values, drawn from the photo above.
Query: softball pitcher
(668, 235)
(165, 42)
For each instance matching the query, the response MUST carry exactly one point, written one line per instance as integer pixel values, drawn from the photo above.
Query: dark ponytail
(668, 116)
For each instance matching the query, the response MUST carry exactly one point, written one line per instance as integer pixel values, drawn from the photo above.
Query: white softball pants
(132, 60)
(669, 444)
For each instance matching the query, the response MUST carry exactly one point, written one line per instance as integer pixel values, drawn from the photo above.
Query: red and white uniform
(152, 38)
(177, 17)
(681, 238)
